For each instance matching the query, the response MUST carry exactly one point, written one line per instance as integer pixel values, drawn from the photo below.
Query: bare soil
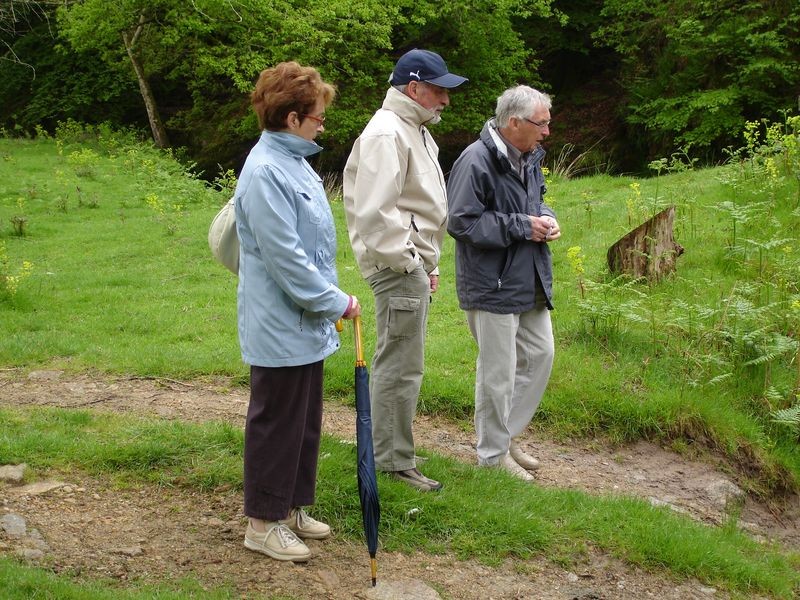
(92, 529)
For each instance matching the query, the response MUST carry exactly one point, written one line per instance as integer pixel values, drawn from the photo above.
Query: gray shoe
(416, 480)
(522, 458)
(508, 464)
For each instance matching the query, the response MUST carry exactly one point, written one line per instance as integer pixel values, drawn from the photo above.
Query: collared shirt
(517, 159)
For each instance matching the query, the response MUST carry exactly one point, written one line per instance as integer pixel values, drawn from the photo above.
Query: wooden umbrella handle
(359, 345)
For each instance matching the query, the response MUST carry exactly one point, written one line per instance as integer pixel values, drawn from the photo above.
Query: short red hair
(285, 88)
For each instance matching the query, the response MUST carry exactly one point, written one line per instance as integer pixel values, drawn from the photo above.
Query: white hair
(519, 101)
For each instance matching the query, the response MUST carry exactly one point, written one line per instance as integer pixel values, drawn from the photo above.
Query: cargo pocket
(403, 317)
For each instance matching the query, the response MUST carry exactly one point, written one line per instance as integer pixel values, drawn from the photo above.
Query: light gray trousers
(515, 357)
(401, 315)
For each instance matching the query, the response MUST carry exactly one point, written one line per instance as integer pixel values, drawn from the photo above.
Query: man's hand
(434, 283)
(544, 229)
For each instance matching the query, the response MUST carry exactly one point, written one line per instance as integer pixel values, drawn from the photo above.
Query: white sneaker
(278, 541)
(304, 526)
(510, 465)
(522, 458)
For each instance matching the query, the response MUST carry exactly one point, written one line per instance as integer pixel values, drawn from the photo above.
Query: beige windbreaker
(394, 191)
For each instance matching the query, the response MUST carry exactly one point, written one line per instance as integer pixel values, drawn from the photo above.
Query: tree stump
(647, 251)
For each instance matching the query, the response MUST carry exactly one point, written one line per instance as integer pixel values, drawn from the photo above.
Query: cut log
(647, 251)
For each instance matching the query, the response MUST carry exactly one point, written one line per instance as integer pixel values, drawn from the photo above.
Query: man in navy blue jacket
(504, 273)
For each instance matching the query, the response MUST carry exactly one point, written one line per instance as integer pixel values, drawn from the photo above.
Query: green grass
(29, 583)
(480, 513)
(160, 452)
(108, 279)
(122, 281)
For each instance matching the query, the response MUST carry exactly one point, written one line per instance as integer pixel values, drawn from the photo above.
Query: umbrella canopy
(367, 483)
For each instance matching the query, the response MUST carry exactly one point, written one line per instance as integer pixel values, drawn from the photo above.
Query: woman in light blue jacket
(288, 301)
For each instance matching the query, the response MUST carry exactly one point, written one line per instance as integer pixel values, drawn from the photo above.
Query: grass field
(105, 267)
(122, 281)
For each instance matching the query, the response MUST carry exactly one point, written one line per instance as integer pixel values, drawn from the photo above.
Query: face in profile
(311, 124)
(432, 97)
(535, 128)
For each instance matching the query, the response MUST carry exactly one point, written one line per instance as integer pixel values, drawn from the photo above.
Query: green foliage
(43, 81)
(788, 416)
(695, 71)
(659, 75)
(10, 278)
(211, 48)
(747, 331)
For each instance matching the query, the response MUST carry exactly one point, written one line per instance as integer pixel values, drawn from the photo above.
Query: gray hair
(402, 88)
(519, 101)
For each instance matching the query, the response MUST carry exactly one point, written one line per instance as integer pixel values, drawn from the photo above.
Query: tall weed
(10, 277)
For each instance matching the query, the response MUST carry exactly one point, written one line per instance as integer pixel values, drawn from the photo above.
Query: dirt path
(143, 533)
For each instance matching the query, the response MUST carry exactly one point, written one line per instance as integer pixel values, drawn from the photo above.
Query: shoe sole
(524, 475)
(311, 536)
(420, 486)
(516, 470)
(272, 554)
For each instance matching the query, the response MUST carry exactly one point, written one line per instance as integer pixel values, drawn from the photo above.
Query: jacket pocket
(403, 317)
(509, 258)
(309, 206)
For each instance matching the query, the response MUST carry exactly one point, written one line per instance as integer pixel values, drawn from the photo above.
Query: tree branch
(17, 59)
(139, 29)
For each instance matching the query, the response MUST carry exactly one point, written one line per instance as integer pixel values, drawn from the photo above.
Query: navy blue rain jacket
(497, 263)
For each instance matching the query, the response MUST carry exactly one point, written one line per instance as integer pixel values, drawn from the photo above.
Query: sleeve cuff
(349, 306)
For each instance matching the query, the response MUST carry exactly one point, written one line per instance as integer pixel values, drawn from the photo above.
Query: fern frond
(788, 416)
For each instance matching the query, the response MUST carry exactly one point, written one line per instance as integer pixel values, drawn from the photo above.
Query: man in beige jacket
(396, 207)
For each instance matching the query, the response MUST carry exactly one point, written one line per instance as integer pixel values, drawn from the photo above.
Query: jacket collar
(406, 108)
(290, 144)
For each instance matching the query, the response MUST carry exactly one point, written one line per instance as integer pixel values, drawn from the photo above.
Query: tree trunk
(649, 250)
(156, 125)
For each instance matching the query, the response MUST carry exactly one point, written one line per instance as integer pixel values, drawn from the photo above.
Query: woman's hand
(353, 309)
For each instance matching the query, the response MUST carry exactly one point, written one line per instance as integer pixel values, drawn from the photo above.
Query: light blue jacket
(288, 297)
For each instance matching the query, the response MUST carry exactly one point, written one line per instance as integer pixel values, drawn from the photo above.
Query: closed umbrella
(367, 482)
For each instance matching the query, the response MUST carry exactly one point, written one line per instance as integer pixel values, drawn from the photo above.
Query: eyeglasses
(541, 124)
(320, 119)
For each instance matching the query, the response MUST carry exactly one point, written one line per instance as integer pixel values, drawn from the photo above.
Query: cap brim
(449, 80)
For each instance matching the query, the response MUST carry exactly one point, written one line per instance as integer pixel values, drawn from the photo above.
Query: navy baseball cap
(424, 65)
